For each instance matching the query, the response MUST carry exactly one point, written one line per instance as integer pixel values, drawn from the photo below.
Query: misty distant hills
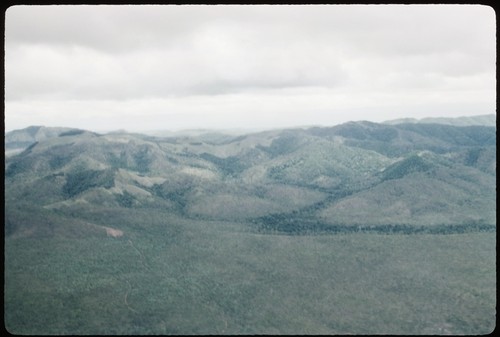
(354, 174)
(484, 120)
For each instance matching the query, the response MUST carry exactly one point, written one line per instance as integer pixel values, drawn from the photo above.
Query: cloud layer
(139, 67)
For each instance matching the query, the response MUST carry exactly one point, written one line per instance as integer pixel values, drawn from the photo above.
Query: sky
(175, 67)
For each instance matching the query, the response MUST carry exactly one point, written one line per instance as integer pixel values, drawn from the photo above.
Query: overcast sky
(182, 67)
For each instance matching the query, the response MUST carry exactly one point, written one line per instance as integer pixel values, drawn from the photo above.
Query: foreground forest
(359, 228)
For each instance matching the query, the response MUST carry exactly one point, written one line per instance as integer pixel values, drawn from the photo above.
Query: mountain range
(359, 228)
(357, 173)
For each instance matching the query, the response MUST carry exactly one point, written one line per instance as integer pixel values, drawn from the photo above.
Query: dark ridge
(299, 226)
(402, 168)
(72, 133)
(230, 165)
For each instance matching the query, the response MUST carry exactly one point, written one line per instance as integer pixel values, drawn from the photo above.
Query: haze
(250, 67)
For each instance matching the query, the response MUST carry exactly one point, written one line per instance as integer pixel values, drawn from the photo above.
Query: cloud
(112, 29)
(223, 59)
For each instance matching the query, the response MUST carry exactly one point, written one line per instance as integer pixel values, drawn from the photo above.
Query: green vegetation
(16, 167)
(285, 143)
(229, 166)
(142, 159)
(83, 180)
(409, 165)
(125, 200)
(361, 228)
(57, 162)
(71, 133)
(172, 276)
(294, 224)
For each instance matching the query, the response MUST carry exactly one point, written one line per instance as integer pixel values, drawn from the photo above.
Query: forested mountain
(358, 173)
(265, 232)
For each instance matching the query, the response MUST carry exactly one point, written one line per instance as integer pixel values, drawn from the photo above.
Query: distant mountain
(484, 120)
(18, 140)
(350, 174)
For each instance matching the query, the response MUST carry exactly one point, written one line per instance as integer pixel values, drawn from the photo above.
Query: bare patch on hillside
(116, 233)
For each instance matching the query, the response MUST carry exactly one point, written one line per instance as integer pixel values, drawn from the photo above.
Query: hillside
(359, 228)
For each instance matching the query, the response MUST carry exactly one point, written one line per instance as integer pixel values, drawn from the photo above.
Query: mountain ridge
(271, 172)
(18, 139)
(483, 120)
